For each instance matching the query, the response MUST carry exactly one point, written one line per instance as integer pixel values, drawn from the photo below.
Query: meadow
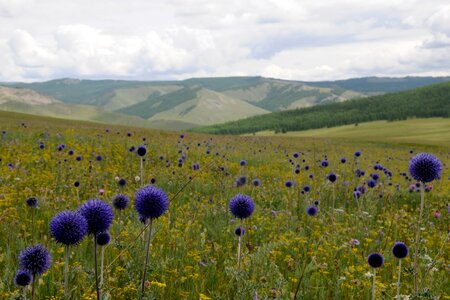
(193, 254)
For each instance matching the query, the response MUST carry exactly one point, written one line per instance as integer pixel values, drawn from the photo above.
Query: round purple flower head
(306, 188)
(425, 167)
(79, 158)
(256, 182)
(343, 160)
(239, 231)
(358, 153)
(120, 201)
(35, 259)
(32, 202)
(151, 202)
(242, 162)
(103, 238)
(295, 154)
(332, 177)
(141, 150)
(312, 211)
(324, 163)
(122, 182)
(68, 227)
(375, 260)
(400, 250)
(22, 278)
(242, 206)
(99, 158)
(371, 183)
(289, 183)
(99, 215)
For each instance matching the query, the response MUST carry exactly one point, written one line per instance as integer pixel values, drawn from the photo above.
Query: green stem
(33, 283)
(66, 272)
(417, 241)
(373, 283)
(147, 250)
(95, 269)
(398, 279)
(101, 266)
(239, 248)
(142, 172)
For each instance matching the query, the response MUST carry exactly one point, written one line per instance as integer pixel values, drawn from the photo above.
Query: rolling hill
(202, 101)
(424, 102)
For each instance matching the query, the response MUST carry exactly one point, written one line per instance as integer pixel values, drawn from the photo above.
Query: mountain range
(188, 103)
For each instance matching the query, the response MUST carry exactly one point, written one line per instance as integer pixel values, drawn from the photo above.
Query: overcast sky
(177, 39)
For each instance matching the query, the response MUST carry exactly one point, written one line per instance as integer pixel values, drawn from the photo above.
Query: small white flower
(368, 274)
(137, 178)
(117, 178)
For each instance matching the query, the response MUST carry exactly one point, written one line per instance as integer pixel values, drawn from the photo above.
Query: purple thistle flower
(68, 227)
(312, 211)
(242, 206)
(425, 167)
(400, 250)
(375, 260)
(256, 182)
(239, 231)
(151, 202)
(332, 177)
(35, 259)
(103, 238)
(325, 163)
(371, 183)
(122, 182)
(23, 278)
(242, 163)
(306, 188)
(343, 160)
(289, 183)
(358, 153)
(32, 202)
(141, 150)
(99, 215)
(120, 202)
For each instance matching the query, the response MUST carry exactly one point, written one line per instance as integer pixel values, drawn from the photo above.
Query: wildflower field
(321, 207)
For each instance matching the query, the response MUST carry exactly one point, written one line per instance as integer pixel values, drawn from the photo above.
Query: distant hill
(424, 102)
(204, 101)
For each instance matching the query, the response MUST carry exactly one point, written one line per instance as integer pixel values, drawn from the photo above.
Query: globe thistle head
(99, 215)
(400, 250)
(312, 211)
(242, 162)
(68, 227)
(357, 153)
(41, 146)
(239, 231)
(35, 259)
(23, 278)
(79, 158)
(332, 177)
(120, 201)
(71, 152)
(324, 163)
(76, 184)
(241, 206)
(425, 167)
(99, 158)
(295, 154)
(371, 183)
(103, 238)
(289, 183)
(343, 160)
(375, 260)
(32, 202)
(141, 150)
(122, 182)
(256, 182)
(151, 202)
(374, 176)
(241, 181)
(306, 188)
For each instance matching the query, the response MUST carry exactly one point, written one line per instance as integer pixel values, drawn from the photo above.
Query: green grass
(433, 131)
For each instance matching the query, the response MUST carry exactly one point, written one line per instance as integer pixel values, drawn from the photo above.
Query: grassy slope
(432, 131)
(424, 102)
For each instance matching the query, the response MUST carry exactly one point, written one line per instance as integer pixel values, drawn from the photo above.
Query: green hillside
(425, 102)
(179, 103)
(431, 131)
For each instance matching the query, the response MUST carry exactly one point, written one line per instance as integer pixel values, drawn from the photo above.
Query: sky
(177, 39)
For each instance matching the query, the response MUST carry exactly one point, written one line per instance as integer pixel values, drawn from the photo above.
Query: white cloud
(305, 40)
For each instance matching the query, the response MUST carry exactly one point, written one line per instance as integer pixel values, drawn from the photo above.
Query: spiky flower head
(151, 202)
(141, 150)
(68, 227)
(103, 238)
(312, 211)
(242, 206)
(425, 167)
(120, 201)
(400, 250)
(332, 177)
(239, 231)
(99, 215)
(32, 202)
(375, 260)
(35, 259)
(23, 278)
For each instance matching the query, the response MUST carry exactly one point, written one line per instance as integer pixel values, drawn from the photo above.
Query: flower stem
(417, 241)
(101, 266)
(33, 283)
(398, 280)
(24, 295)
(95, 269)
(147, 250)
(142, 172)
(373, 283)
(66, 271)
(239, 248)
